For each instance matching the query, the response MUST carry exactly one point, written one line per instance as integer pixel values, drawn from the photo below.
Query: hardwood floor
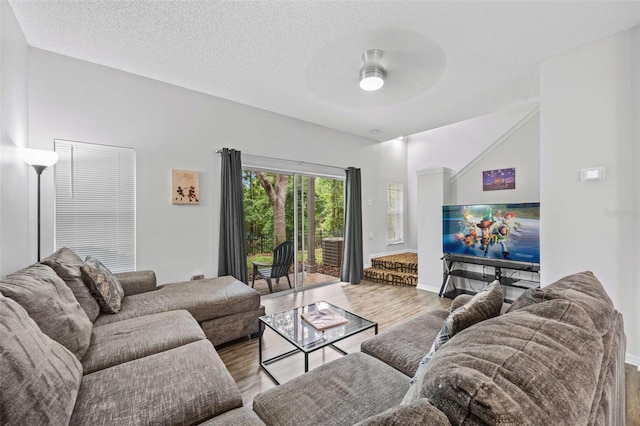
(260, 285)
(632, 394)
(388, 305)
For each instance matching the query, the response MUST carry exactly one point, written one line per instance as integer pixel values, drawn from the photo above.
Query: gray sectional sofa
(63, 361)
(553, 357)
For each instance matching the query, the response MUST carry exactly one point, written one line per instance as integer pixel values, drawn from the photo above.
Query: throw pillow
(460, 300)
(483, 305)
(50, 303)
(104, 286)
(67, 265)
(40, 377)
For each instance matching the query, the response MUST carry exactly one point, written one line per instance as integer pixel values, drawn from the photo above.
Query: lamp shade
(39, 157)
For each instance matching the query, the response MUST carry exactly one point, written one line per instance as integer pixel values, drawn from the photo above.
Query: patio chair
(282, 260)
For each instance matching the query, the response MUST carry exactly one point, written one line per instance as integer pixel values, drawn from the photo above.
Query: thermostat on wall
(593, 173)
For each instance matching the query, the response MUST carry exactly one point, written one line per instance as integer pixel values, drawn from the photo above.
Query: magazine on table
(323, 319)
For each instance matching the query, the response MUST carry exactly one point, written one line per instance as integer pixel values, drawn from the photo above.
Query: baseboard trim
(632, 359)
(430, 288)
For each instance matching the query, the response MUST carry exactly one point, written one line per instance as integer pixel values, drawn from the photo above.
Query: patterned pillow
(483, 305)
(104, 286)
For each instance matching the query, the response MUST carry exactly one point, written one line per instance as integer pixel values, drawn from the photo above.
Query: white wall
(590, 109)
(518, 147)
(454, 147)
(434, 191)
(171, 127)
(391, 168)
(14, 173)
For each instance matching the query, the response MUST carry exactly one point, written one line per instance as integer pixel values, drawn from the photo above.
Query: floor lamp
(39, 159)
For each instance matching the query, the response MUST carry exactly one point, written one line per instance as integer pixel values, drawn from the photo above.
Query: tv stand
(508, 272)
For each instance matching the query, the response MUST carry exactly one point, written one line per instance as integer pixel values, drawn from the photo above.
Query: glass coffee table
(304, 337)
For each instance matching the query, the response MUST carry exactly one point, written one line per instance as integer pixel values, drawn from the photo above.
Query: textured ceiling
(446, 61)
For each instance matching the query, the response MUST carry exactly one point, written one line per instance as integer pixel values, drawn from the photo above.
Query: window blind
(95, 199)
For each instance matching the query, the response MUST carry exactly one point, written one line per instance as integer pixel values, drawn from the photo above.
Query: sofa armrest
(137, 282)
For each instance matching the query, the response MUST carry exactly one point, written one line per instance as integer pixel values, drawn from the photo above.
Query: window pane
(394, 213)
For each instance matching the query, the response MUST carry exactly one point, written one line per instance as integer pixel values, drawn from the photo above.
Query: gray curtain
(232, 254)
(352, 267)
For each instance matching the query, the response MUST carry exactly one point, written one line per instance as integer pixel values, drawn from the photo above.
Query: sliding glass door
(319, 225)
(305, 209)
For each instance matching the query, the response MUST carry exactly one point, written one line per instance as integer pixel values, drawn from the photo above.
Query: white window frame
(395, 213)
(95, 202)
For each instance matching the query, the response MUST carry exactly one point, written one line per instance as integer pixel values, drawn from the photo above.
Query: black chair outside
(282, 260)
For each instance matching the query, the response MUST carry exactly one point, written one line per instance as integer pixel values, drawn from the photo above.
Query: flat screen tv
(496, 231)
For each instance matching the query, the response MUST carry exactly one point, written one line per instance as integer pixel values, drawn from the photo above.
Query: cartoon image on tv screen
(497, 231)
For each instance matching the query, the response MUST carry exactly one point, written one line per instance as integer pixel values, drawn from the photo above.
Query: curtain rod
(300, 163)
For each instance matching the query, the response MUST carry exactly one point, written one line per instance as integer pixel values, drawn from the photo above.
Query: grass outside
(268, 258)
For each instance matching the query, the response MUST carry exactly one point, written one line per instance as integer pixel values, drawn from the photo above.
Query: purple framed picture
(496, 180)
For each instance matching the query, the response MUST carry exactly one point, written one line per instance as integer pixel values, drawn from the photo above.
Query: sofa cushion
(243, 416)
(420, 412)
(40, 378)
(50, 303)
(582, 288)
(124, 341)
(512, 368)
(609, 402)
(67, 265)
(104, 286)
(404, 345)
(204, 299)
(235, 326)
(185, 385)
(341, 392)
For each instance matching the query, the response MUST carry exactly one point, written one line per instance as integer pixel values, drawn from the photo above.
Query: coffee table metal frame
(315, 339)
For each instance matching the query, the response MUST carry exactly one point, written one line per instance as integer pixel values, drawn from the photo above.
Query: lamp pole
(39, 169)
(39, 159)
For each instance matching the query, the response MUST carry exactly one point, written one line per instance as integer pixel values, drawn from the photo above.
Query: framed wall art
(185, 187)
(496, 180)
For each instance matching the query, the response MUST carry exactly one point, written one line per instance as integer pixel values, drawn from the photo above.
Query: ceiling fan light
(372, 78)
